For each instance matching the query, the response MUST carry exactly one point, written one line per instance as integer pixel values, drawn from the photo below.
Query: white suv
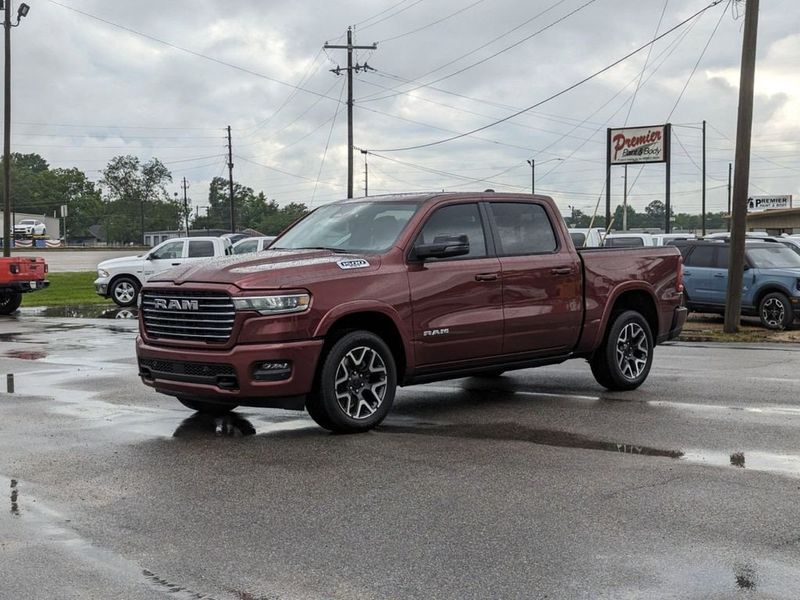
(121, 278)
(29, 227)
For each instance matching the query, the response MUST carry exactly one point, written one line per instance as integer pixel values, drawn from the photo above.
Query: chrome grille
(188, 315)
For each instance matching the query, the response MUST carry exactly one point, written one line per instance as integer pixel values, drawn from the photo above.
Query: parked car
(366, 294)
(121, 278)
(234, 237)
(20, 275)
(29, 228)
(662, 239)
(770, 287)
(253, 244)
(585, 237)
(628, 240)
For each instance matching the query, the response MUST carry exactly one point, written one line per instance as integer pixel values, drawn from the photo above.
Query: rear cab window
(201, 248)
(522, 228)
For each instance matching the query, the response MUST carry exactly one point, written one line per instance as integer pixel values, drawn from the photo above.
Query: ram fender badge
(352, 263)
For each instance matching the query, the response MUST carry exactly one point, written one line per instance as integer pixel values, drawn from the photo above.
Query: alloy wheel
(125, 292)
(773, 312)
(361, 382)
(632, 351)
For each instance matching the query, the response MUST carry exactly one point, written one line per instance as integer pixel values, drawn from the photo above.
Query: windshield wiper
(336, 250)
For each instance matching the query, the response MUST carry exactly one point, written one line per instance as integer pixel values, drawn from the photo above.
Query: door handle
(719, 275)
(561, 271)
(486, 277)
(176, 264)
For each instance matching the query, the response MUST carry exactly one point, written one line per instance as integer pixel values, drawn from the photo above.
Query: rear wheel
(624, 359)
(124, 291)
(9, 302)
(206, 408)
(775, 311)
(356, 385)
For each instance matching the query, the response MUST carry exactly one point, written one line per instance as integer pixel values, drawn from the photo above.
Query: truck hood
(271, 269)
(122, 261)
(779, 272)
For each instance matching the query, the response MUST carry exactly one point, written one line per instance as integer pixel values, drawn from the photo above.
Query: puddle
(230, 425)
(26, 354)
(19, 337)
(519, 433)
(173, 590)
(783, 464)
(87, 311)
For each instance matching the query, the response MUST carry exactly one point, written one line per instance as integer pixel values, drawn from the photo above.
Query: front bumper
(101, 286)
(227, 376)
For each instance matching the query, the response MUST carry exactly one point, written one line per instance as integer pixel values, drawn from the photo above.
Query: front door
(456, 303)
(167, 255)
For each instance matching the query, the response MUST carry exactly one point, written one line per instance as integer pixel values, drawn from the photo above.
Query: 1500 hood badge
(352, 263)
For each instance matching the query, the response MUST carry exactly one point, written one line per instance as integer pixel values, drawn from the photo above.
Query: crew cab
(121, 278)
(364, 295)
(20, 275)
(770, 283)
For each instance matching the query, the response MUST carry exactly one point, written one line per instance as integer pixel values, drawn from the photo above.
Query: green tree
(137, 199)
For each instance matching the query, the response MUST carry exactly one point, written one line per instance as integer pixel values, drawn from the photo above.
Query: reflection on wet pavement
(230, 425)
(26, 354)
(784, 464)
(89, 311)
(521, 433)
(745, 577)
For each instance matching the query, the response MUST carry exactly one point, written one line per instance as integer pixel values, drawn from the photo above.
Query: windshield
(773, 258)
(350, 227)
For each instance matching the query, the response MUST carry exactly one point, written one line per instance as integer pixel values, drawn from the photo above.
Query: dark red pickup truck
(367, 294)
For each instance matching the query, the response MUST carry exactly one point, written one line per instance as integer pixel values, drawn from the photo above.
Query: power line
(431, 24)
(557, 94)
(646, 60)
(413, 4)
(327, 143)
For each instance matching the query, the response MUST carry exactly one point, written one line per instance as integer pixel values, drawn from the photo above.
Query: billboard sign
(756, 203)
(636, 145)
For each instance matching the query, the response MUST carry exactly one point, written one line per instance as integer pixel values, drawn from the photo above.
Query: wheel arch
(769, 289)
(638, 299)
(377, 320)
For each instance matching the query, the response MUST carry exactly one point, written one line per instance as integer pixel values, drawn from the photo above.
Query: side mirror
(148, 256)
(746, 267)
(443, 246)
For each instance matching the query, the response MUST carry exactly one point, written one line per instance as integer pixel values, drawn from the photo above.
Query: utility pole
(744, 126)
(532, 163)
(350, 68)
(366, 174)
(730, 169)
(185, 187)
(230, 179)
(7, 217)
(625, 202)
(703, 215)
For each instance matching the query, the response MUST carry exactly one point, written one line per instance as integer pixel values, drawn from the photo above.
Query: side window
(245, 247)
(721, 261)
(702, 256)
(168, 251)
(522, 228)
(457, 219)
(201, 248)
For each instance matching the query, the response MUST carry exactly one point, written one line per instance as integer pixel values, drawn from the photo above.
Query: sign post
(638, 145)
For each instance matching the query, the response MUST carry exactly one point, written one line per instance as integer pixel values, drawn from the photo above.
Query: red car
(367, 294)
(19, 275)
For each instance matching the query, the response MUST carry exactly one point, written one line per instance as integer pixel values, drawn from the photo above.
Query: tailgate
(24, 269)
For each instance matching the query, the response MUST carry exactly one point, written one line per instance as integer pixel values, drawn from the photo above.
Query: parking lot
(535, 485)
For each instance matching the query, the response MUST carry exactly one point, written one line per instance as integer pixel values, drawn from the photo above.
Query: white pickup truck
(121, 278)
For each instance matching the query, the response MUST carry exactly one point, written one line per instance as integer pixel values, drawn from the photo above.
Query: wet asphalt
(537, 484)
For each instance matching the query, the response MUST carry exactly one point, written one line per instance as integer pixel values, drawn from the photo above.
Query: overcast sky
(86, 90)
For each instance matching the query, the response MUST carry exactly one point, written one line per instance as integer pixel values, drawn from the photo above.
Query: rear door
(698, 274)
(199, 249)
(456, 302)
(542, 280)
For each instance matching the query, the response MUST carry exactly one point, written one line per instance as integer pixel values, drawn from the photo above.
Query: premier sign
(638, 145)
(756, 203)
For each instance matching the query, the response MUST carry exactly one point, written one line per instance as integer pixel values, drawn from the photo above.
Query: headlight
(273, 305)
(102, 273)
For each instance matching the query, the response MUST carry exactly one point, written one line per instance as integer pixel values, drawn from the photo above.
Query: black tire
(624, 359)
(206, 408)
(370, 380)
(124, 291)
(775, 311)
(9, 302)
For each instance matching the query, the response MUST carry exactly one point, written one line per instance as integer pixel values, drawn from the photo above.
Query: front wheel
(623, 361)
(9, 302)
(356, 384)
(124, 291)
(775, 311)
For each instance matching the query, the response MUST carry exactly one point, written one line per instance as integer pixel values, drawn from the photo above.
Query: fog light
(272, 370)
(14, 269)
